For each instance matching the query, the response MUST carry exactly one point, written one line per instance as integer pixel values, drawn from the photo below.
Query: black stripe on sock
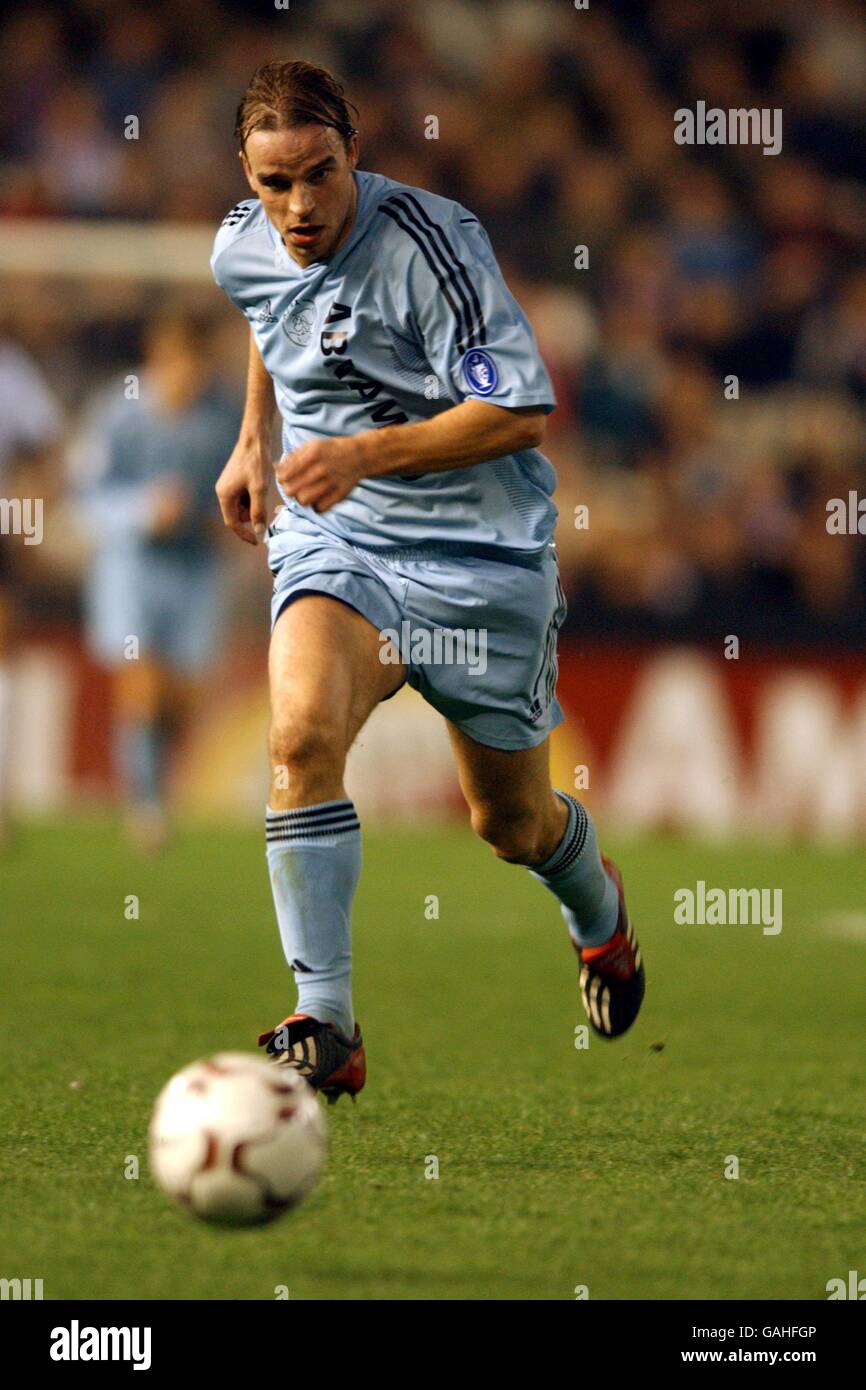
(576, 842)
(334, 831)
(339, 818)
(312, 822)
(305, 813)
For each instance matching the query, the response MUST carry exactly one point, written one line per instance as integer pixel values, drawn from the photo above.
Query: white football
(237, 1139)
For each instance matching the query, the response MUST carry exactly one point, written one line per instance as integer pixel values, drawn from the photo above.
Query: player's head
(177, 354)
(299, 147)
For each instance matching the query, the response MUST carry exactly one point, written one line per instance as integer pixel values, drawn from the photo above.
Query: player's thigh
(137, 687)
(5, 622)
(184, 691)
(502, 782)
(326, 670)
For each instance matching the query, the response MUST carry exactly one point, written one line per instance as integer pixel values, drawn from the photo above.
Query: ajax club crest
(297, 322)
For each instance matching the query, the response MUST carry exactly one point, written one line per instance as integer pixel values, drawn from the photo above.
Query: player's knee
(511, 831)
(306, 748)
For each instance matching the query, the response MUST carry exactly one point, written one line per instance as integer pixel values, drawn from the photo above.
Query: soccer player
(31, 425)
(146, 469)
(413, 399)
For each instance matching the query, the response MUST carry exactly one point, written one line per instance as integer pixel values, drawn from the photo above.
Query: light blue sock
(314, 859)
(575, 874)
(140, 759)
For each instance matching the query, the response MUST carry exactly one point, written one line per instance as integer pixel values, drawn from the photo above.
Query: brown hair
(176, 319)
(289, 93)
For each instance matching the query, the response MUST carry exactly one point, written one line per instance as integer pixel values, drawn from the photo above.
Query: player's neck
(350, 218)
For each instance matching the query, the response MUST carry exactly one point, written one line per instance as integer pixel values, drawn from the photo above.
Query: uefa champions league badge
(480, 371)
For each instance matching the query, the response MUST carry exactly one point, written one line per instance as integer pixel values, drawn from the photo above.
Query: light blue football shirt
(408, 318)
(127, 445)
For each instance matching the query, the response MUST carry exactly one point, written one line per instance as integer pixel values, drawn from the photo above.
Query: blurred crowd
(708, 348)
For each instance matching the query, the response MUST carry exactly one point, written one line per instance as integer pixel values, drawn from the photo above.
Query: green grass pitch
(558, 1167)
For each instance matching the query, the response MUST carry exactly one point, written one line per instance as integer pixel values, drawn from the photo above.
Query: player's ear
(352, 152)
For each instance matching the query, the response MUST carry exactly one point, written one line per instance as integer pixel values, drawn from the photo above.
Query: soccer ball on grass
(237, 1139)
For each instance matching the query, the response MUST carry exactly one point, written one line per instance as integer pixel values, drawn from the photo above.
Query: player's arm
(472, 432)
(322, 472)
(243, 485)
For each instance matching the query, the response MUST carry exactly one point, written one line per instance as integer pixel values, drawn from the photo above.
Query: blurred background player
(147, 465)
(31, 423)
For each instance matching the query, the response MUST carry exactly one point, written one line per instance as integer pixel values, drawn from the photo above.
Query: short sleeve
(235, 223)
(32, 407)
(475, 336)
(110, 498)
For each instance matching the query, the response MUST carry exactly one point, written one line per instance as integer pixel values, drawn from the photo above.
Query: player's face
(304, 179)
(177, 368)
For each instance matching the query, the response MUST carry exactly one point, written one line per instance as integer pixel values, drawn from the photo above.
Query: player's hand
(322, 471)
(169, 504)
(242, 489)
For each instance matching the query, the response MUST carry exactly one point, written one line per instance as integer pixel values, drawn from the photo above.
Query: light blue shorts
(172, 604)
(477, 634)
